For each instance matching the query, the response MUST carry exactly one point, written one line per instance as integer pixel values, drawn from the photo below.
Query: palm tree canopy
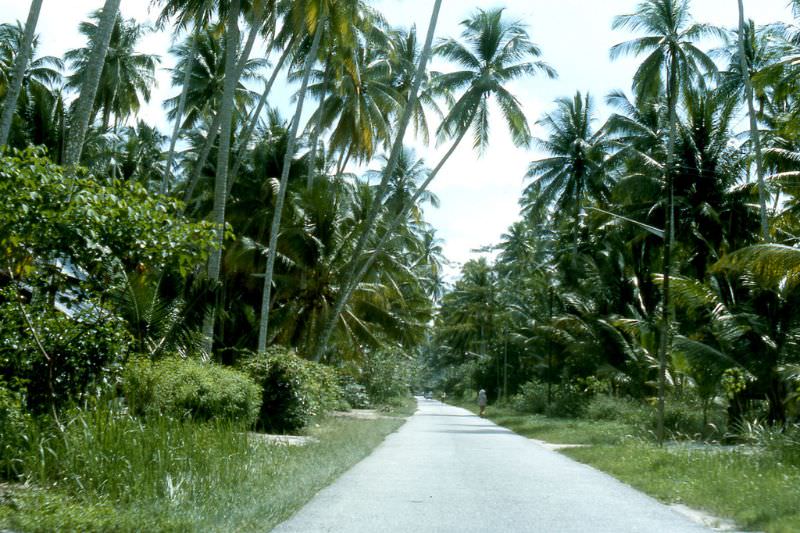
(127, 76)
(668, 44)
(493, 53)
(575, 165)
(45, 71)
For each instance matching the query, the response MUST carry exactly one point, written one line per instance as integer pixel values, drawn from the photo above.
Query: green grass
(106, 473)
(757, 488)
(558, 430)
(754, 489)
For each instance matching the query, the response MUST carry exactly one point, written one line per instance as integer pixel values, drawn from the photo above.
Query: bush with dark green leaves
(627, 410)
(294, 389)
(532, 398)
(387, 374)
(186, 388)
(565, 401)
(354, 393)
(67, 358)
(13, 420)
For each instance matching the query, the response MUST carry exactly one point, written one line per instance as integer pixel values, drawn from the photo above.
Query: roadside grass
(750, 486)
(113, 473)
(558, 430)
(757, 487)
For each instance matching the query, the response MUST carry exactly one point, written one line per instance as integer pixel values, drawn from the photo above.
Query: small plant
(354, 393)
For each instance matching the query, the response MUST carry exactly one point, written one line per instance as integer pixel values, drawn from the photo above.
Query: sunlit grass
(114, 473)
(749, 485)
(757, 487)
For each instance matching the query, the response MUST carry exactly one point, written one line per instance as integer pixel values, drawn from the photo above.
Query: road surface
(448, 470)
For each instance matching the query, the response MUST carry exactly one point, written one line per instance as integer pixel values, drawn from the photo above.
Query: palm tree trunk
(23, 58)
(223, 152)
(669, 234)
(287, 164)
(251, 126)
(352, 281)
(215, 124)
(312, 156)
(94, 69)
(187, 77)
(755, 137)
(394, 156)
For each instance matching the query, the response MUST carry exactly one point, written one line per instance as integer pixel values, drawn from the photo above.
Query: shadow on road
(488, 431)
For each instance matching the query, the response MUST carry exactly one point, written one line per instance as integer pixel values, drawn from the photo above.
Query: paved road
(448, 470)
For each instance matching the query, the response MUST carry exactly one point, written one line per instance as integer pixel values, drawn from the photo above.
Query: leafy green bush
(82, 352)
(353, 392)
(184, 387)
(567, 402)
(627, 410)
(386, 374)
(532, 398)
(681, 419)
(294, 389)
(12, 428)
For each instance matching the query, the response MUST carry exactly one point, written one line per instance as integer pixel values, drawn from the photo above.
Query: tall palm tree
(673, 63)
(310, 17)
(23, 58)
(38, 117)
(747, 73)
(371, 218)
(575, 167)
(127, 75)
(358, 106)
(316, 30)
(223, 153)
(494, 53)
(91, 81)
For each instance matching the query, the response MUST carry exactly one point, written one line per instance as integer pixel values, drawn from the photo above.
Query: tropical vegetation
(247, 271)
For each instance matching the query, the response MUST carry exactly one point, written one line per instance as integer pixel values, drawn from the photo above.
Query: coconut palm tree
(206, 83)
(371, 219)
(223, 152)
(576, 166)
(39, 113)
(494, 53)
(24, 54)
(91, 81)
(312, 17)
(127, 76)
(673, 63)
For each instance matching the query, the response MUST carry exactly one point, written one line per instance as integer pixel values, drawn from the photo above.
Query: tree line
(304, 253)
(656, 254)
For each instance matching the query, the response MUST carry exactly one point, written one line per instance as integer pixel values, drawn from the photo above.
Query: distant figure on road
(444, 396)
(482, 400)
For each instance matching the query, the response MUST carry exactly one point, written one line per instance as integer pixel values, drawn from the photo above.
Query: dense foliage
(594, 293)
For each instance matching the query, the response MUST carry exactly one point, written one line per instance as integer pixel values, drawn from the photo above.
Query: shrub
(185, 387)
(353, 393)
(12, 428)
(567, 402)
(629, 411)
(294, 389)
(387, 374)
(681, 419)
(532, 398)
(83, 353)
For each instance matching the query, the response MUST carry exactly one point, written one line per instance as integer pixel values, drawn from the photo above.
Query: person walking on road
(482, 401)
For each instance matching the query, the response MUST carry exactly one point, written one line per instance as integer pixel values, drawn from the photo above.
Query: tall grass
(101, 470)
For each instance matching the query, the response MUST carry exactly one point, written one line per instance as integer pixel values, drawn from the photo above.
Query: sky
(479, 195)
